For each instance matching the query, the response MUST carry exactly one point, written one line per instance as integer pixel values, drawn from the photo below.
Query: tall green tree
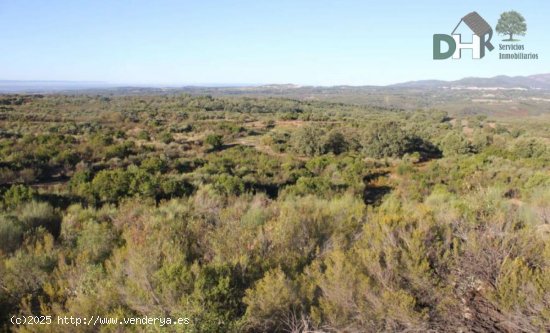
(308, 141)
(511, 23)
(386, 139)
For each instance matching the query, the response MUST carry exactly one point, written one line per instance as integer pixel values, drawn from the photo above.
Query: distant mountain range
(532, 82)
(539, 81)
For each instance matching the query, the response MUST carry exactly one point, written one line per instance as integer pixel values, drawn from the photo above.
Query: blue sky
(357, 42)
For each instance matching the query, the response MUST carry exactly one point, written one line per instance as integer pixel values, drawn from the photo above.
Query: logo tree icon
(511, 23)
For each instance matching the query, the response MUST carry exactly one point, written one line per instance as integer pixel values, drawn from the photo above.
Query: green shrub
(215, 141)
(166, 137)
(18, 194)
(229, 185)
(387, 139)
(271, 302)
(154, 165)
(40, 214)
(11, 234)
(143, 135)
(111, 185)
(336, 143)
(308, 141)
(454, 143)
(310, 185)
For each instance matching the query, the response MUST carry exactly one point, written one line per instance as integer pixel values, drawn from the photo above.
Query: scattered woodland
(268, 214)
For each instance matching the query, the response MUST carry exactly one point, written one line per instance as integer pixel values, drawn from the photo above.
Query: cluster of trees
(378, 139)
(110, 186)
(336, 220)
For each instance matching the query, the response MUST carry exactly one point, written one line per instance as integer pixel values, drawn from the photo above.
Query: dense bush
(18, 194)
(11, 233)
(455, 144)
(309, 141)
(40, 214)
(215, 141)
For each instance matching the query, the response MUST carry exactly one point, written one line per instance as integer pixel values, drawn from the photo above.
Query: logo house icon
(481, 39)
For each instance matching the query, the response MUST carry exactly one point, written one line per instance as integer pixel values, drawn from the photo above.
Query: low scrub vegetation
(271, 215)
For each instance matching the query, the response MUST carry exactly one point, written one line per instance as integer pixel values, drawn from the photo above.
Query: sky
(205, 42)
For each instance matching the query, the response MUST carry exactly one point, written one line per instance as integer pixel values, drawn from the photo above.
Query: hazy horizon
(107, 84)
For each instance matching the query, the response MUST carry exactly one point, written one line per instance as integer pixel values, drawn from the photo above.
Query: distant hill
(498, 96)
(532, 82)
(539, 81)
